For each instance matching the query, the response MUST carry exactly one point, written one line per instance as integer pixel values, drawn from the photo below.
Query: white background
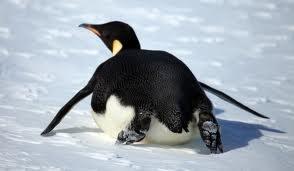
(244, 48)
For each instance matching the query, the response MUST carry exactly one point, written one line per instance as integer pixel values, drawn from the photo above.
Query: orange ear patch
(116, 46)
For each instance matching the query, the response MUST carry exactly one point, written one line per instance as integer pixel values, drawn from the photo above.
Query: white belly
(158, 133)
(117, 117)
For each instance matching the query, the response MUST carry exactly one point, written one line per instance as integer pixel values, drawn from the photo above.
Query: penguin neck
(129, 48)
(132, 44)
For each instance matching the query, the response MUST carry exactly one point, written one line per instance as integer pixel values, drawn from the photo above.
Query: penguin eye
(106, 34)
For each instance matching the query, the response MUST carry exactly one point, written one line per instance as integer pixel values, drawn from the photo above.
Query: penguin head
(116, 35)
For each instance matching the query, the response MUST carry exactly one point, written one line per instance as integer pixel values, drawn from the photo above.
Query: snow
(244, 48)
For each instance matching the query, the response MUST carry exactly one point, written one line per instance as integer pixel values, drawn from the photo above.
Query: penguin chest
(118, 117)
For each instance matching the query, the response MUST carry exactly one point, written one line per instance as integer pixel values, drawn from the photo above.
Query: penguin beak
(91, 28)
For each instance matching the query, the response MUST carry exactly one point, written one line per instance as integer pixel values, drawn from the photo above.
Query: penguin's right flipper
(87, 90)
(210, 132)
(229, 99)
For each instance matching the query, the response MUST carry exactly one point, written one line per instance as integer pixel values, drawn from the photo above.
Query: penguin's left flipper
(209, 131)
(84, 92)
(136, 131)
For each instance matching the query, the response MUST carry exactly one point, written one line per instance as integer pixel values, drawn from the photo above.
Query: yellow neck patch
(116, 46)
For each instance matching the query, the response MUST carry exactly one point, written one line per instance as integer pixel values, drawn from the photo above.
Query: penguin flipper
(229, 99)
(87, 90)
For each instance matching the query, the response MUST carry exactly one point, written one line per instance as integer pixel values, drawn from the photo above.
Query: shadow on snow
(236, 134)
(73, 130)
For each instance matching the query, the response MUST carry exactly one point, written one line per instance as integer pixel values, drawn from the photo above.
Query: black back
(151, 81)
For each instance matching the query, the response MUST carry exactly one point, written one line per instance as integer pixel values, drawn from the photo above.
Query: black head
(116, 35)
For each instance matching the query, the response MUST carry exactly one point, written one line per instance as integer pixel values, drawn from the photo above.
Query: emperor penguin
(148, 95)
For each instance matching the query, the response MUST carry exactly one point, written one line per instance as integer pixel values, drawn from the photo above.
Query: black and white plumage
(144, 94)
(156, 85)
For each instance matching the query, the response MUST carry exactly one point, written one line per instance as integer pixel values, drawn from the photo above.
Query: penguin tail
(84, 92)
(229, 99)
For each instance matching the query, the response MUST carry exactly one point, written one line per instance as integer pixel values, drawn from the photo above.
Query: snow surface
(243, 47)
